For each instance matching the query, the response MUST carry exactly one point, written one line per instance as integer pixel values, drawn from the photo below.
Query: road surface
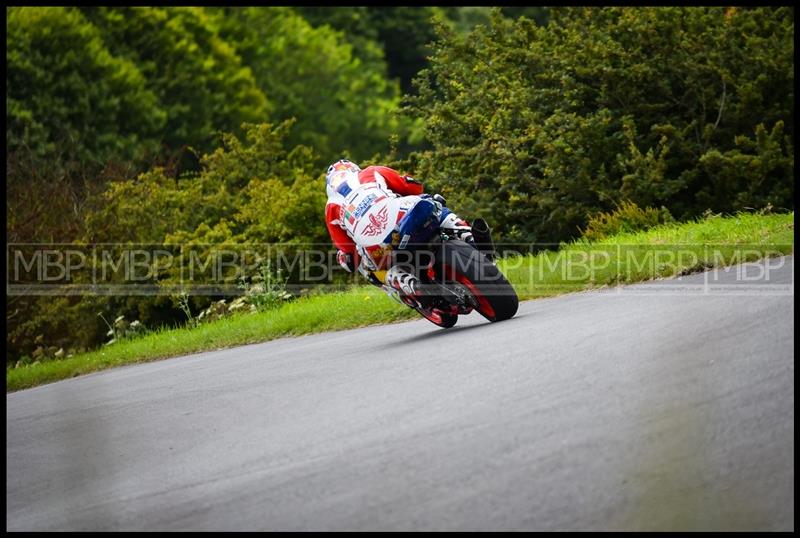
(662, 406)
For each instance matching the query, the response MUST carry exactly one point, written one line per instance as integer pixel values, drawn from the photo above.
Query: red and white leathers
(382, 177)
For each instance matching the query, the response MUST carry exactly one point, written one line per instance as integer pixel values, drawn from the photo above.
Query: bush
(251, 191)
(627, 217)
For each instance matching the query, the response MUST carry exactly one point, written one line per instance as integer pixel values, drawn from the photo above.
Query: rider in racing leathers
(342, 179)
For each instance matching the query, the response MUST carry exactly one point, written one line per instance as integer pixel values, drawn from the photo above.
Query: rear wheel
(459, 262)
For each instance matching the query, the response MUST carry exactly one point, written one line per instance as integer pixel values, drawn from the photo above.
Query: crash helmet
(342, 171)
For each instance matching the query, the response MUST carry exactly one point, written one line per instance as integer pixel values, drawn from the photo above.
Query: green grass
(664, 251)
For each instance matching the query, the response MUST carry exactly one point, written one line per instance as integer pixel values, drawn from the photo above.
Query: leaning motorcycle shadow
(439, 333)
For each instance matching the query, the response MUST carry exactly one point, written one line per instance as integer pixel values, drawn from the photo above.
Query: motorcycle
(456, 276)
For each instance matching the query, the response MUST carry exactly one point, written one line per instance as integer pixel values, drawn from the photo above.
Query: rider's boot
(407, 285)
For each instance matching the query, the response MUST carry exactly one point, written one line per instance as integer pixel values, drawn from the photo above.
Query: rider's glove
(346, 261)
(439, 198)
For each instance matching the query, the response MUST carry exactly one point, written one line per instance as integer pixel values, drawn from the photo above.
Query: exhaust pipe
(483, 238)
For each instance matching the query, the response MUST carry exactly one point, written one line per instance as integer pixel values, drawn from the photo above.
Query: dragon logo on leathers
(377, 222)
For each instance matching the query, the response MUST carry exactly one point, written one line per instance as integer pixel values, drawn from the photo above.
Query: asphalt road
(666, 405)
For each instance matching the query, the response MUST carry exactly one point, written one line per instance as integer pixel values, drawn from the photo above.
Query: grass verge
(664, 251)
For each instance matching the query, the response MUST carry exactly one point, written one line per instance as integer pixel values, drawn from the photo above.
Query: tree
(402, 33)
(540, 126)
(69, 99)
(342, 103)
(539, 14)
(199, 79)
(405, 33)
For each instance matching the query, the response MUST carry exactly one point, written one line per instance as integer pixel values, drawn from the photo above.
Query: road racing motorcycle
(456, 271)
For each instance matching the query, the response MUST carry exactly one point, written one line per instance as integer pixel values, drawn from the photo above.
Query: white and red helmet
(340, 172)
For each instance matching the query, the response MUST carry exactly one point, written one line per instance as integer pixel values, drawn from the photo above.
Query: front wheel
(495, 298)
